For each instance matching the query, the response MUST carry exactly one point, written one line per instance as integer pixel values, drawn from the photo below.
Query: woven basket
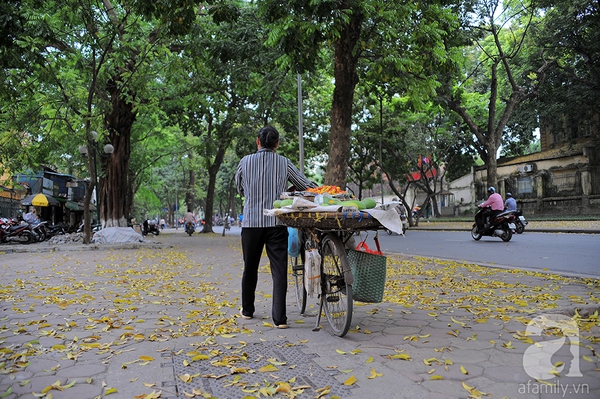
(369, 272)
(330, 220)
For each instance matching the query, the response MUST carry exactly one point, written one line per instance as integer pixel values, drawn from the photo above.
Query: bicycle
(329, 236)
(335, 294)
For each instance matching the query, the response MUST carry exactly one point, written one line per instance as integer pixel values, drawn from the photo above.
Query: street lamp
(108, 150)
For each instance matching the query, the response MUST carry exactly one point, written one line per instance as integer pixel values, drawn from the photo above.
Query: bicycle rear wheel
(336, 294)
(297, 265)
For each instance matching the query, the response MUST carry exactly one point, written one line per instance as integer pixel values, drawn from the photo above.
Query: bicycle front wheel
(297, 264)
(336, 294)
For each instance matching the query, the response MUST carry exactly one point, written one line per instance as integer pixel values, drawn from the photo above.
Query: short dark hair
(268, 137)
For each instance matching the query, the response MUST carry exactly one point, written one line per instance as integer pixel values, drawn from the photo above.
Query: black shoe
(244, 316)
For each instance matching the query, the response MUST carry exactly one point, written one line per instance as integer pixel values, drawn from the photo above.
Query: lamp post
(83, 150)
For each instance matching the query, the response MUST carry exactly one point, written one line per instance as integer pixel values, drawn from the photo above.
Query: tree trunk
(189, 193)
(114, 186)
(346, 79)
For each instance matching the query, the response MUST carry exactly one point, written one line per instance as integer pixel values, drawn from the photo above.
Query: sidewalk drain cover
(223, 376)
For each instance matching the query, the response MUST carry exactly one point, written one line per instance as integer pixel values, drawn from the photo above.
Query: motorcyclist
(510, 204)
(189, 218)
(496, 204)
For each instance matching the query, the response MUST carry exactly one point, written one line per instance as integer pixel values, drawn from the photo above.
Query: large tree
(569, 34)
(498, 80)
(94, 66)
(362, 36)
(228, 89)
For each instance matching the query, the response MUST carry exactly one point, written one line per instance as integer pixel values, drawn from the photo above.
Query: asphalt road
(566, 254)
(571, 254)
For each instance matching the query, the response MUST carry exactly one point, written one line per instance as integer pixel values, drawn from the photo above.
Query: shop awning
(77, 207)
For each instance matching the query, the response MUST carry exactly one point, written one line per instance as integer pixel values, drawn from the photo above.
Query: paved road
(567, 254)
(573, 254)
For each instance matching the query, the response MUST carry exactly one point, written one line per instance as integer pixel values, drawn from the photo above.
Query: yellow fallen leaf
(374, 374)
(463, 370)
(283, 387)
(146, 358)
(110, 390)
(401, 356)
(350, 381)
(268, 368)
(370, 360)
(467, 387)
(508, 345)
(341, 352)
(436, 377)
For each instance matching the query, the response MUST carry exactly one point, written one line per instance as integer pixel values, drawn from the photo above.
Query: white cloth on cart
(386, 215)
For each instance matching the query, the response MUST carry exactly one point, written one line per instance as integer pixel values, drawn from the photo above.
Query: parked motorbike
(502, 225)
(39, 230)
(10, 231)
(55, 230)
(189, 228)
(520, 222)
(95, 227)
(150, 226)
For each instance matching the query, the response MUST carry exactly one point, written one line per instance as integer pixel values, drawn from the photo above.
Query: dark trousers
(275, 239)
(483, 217)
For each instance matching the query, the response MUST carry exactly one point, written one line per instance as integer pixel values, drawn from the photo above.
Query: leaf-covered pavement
(65, 308)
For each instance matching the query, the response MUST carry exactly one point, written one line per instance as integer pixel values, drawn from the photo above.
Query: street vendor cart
(329, 264)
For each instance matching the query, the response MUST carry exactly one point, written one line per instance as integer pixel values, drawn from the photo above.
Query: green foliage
(569, 36)
(202, 78)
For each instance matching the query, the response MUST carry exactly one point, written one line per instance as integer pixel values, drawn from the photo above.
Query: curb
(532, 230)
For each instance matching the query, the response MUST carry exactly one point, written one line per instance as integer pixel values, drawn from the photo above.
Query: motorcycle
(520, 222)
(150, 226)
(189, 228)
(94, 227)
(403, 219)
(417, 214)
(502, 225)
(55, 230)
(10, 231)
(39, 230)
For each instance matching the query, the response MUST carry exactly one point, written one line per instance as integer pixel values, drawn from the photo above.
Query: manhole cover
(253, 369)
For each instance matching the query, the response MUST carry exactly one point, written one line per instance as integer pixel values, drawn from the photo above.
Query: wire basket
(369, 272)
(330, 220)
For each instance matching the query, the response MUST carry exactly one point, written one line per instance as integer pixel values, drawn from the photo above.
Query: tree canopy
(179, 89)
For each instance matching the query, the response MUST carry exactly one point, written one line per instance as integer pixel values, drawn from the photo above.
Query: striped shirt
(261, 178)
